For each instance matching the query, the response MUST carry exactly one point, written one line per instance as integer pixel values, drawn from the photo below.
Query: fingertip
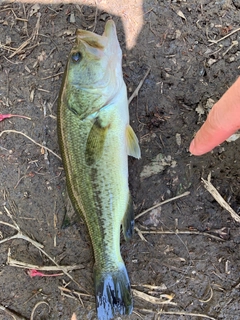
(200, 144)
(193, 149)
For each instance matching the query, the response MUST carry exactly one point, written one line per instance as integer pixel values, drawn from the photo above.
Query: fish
(95, 139)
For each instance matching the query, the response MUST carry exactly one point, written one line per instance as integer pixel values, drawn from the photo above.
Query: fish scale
(95, 139)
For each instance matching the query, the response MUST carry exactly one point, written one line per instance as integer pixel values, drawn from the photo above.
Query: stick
(228, 35)
(19, 264)
(135, 93)
(161, 203)
(216, 195)
(74, 291)
(177, 232)
(13, 314)
(164, 298)
(36, 306)
(180, 313)
(140, 234)
(37, 245)
(26, 136)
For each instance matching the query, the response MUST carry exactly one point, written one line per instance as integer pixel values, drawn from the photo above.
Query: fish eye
(76, 56)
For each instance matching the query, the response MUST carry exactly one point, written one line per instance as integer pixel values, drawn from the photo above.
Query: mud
(196, 261)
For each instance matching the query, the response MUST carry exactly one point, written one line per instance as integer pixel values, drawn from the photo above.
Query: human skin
(223, 120)
(130, 11)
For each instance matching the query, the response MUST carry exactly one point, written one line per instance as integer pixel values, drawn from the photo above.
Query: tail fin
(113, 293)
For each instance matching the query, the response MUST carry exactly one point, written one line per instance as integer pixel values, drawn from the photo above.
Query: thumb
(223, 120)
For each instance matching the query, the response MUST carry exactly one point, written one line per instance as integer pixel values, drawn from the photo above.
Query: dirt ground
(191, 260)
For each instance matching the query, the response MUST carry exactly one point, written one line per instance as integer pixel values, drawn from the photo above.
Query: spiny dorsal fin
(133, 148)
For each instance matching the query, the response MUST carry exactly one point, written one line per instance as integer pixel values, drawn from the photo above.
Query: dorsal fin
(133, 148)
(128, 220)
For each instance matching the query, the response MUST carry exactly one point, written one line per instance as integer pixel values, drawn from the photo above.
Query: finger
(222, 121)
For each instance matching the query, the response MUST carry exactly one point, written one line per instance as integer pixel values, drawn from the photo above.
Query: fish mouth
(91, 39)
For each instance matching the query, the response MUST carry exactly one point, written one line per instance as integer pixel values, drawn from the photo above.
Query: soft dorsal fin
(133, 148)
(128, 220)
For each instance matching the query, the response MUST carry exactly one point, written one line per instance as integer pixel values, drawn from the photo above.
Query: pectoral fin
(128, 220)
(132, 143)
(95, 143)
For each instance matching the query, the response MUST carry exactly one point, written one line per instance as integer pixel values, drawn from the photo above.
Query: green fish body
(95, 140)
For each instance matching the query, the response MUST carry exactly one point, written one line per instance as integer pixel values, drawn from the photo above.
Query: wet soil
(195, 259)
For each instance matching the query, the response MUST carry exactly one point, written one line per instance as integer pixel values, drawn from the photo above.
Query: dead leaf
(233, 137)
(180, 14)
(209, 104)
(200, 110)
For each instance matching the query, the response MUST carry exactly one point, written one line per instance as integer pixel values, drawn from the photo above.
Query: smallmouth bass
(95, 140)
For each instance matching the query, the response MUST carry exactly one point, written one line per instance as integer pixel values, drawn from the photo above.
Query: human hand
(130, 11)
(223, 120)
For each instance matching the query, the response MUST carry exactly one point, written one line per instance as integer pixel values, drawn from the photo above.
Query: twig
(139, 232)
(216, 195)
(22, 46)
(19, 235)
(19, 264)
(161, 203)
(95, 19)
(74, 292)
(33, 36)
(13, 314)
(179, 232)
(135, 93)
(52, 76)
(227, 35)
(36, 306)
(210, 297)
(180, 313)
(164, 298)
(234, 43)
(26, 136)
(7, 47)
(37, 245)
(7, 73)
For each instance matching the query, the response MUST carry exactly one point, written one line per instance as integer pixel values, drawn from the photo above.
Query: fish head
(95, 66)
